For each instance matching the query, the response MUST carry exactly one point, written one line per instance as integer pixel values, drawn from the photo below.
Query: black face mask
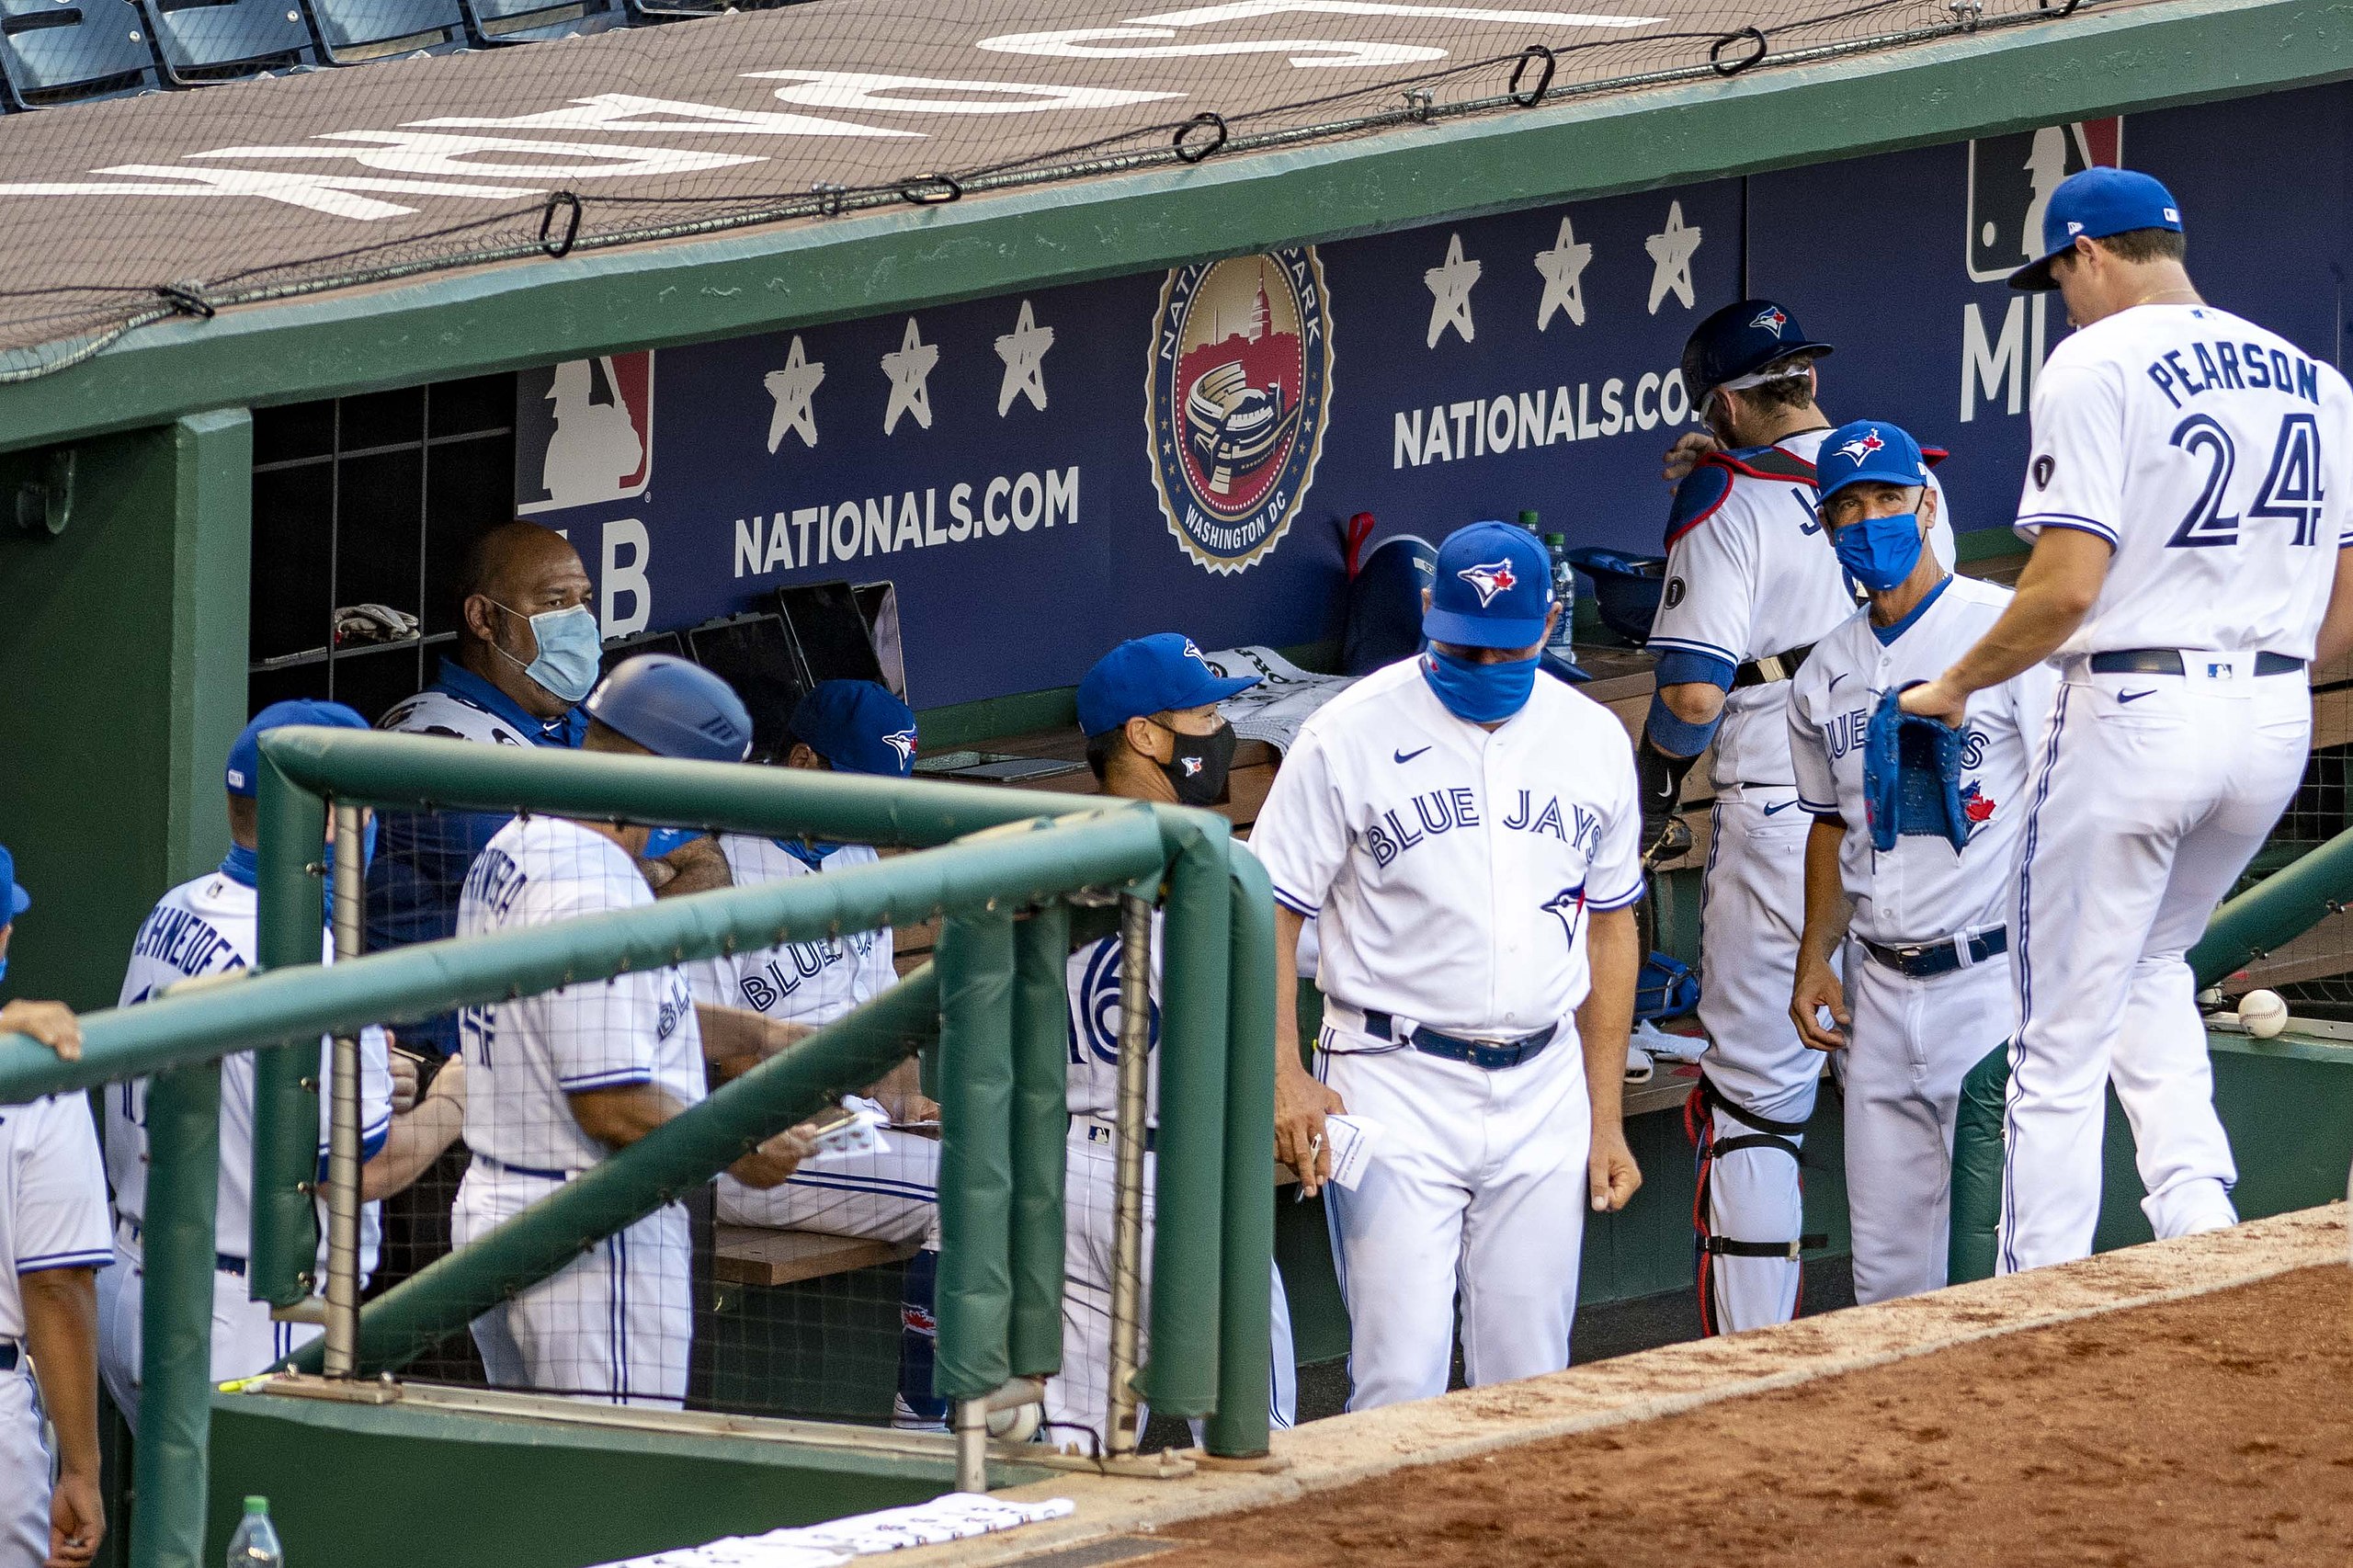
(1197, 764)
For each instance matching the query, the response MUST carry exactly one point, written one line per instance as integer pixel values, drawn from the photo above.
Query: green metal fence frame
(1050, 847)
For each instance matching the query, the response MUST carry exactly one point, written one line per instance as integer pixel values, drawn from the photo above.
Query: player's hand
(77, 1522)
(1818, 989)
(773, 1162)
(1300, 1105)
(1671, 840)
(1611, 1174)
(1935, 700)
(1685, 455)
(696, 866)
(450, 1084)
(406, 1082)
(51, 1023)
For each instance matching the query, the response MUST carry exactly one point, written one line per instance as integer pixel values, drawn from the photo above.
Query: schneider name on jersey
(2225, 498)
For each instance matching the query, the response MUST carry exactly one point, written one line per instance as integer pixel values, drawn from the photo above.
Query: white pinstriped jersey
(209, 927)
(52, 1197)
(1092, 980)
(1451, 869)
(1752, 578)
(1923, 889)
(524, 1057)
(803, 983)
(2217, 459)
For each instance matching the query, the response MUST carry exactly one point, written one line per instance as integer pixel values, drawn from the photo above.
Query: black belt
(481, 1159)
(221, 1262)
(2168, 662)
(8, 1356)
(1924, 961)
(1772, 667)
(1492, 1054)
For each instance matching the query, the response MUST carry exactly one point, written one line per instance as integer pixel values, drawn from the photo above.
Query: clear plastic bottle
(256, 1543)
(1565, 587)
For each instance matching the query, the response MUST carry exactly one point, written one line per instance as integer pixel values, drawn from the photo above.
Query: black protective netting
(137, 209)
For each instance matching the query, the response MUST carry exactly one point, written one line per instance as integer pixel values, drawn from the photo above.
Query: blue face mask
(1479, 694)
(569, 649)
(1880, 552)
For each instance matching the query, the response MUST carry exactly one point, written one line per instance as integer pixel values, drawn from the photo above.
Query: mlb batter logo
(1236, 401)
(583, 432)
(2010, 182)
(1490, 578)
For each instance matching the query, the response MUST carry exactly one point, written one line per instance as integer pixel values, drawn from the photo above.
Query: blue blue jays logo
(904, 743)
(1771, 319)
(1569, 904)
(1861, 447)
(1237, 401)
(1490, 578)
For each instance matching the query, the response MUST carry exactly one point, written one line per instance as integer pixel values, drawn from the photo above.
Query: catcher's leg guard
(1746, 1192)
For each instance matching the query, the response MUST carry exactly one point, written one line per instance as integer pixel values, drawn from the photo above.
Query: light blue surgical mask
(1880, 552)
(1479, 694)
(569, 650)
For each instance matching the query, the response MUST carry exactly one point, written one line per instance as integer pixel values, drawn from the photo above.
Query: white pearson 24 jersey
(209, 927)
(2217, 459)
(1923, 889)
(52, 1197)
(1752, 576)
(1451, 869)
(524, 1057)
(803, 983)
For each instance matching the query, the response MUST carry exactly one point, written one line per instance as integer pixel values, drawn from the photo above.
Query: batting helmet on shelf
(673, 707)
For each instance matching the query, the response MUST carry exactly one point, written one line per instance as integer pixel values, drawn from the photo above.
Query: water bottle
(1565, 586)
(256, 1543)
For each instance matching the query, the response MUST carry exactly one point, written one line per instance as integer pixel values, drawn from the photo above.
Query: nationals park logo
(1239, 394)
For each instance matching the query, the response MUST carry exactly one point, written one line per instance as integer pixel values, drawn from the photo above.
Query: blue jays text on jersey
(1439, 812)
(1842, 733)
(773, 982)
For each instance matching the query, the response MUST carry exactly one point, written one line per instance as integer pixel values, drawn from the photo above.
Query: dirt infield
(2209, 1431)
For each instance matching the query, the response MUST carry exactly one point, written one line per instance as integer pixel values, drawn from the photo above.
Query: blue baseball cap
(858, 726)
(244, 753)
(1151, 675)
(1738, 341)
(1493, 586)
(673, 707)
(1868, 450)
(16, 900)
(2092, 205)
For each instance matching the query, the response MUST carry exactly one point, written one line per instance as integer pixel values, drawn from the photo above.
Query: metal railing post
(343, 1140)
(1041, 1136)
(975, 1304)
(1246, 1356)
(1127, 1234)
(283, 1246)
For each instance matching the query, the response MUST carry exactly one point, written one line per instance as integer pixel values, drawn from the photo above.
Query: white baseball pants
(613, 1325)
(1478, 1185)
(2144, 812)
(24, 1471)
(1751, 914)
(245, 1339)
(1912, 1044)
(1078, 1399)
(889, 1196)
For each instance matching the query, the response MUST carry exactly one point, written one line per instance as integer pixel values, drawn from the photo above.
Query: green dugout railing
(2274, 912)
(993, 998)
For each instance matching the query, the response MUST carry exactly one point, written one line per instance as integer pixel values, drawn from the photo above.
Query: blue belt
(1923, 961)
(2168, 662)
(1492, 1054)
(482, 1159)
(7, 1356)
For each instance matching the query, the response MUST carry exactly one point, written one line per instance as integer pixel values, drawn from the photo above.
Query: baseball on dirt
(2262, 1013)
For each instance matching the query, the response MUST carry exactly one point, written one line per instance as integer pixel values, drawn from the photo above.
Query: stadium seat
(219, 40)
(493, 22)
(353, 30)
(55, 52)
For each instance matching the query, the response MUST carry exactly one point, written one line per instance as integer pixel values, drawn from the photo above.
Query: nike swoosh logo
(2135, 696)
(1775, 811)
(1410, 755)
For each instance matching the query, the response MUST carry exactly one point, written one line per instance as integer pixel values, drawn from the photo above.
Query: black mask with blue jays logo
(1197, 764)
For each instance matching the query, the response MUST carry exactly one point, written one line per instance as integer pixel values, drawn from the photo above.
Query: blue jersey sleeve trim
(606, 1080)
(1827, 813)
(2068, 520)
(1682, 645)
(48, 1261)
(1296, 905)
(1687, 667)
(1620, 902)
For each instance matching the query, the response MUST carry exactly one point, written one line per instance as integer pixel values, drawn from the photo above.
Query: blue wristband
(1674, 736)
